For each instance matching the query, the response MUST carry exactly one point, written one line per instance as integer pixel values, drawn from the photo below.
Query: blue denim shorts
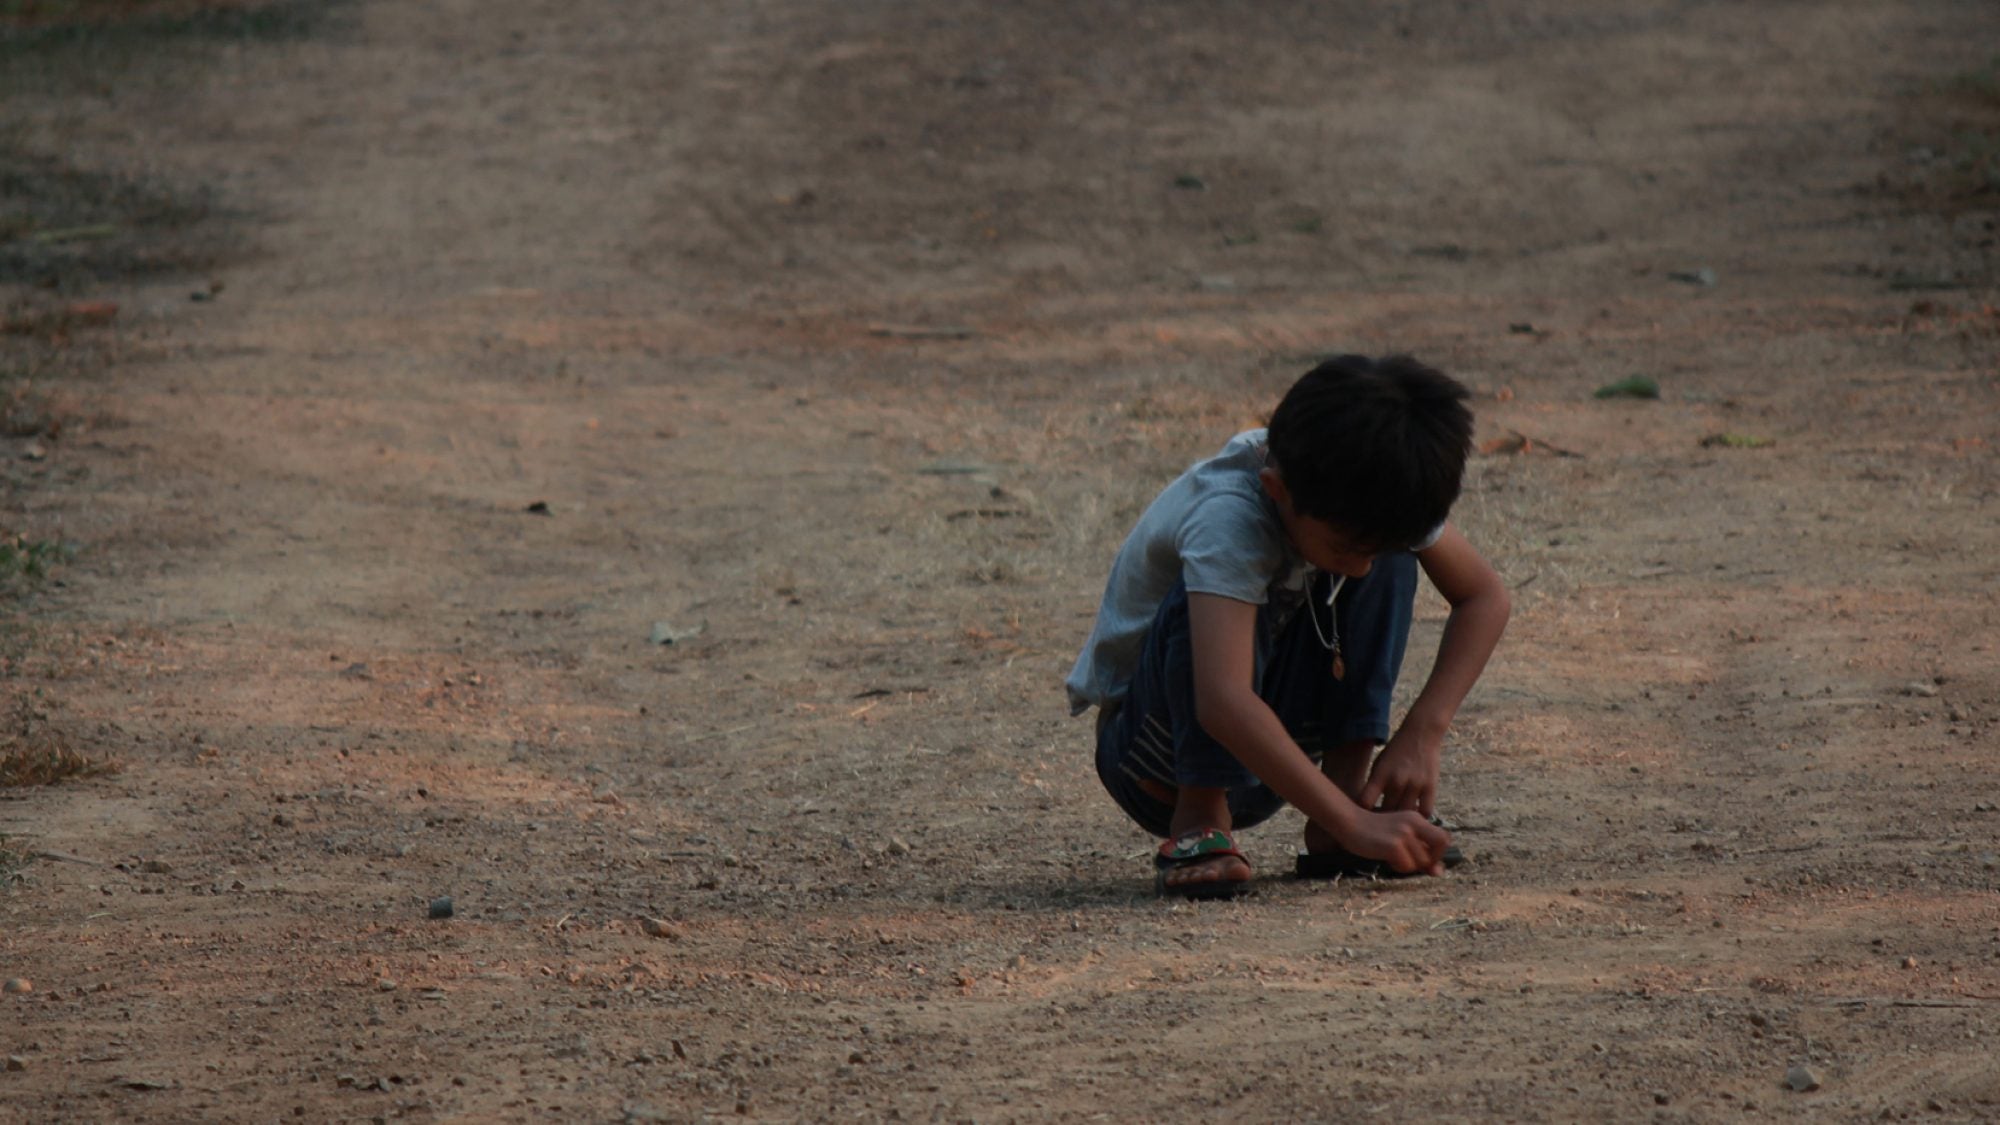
(1152, 734)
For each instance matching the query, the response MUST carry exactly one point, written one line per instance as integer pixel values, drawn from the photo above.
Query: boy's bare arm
(1405, 776)
(1221, 632)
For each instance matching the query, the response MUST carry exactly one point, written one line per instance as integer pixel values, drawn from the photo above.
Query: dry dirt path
(855, 336)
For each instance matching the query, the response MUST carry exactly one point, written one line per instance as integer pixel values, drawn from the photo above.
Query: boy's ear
(1274, 487)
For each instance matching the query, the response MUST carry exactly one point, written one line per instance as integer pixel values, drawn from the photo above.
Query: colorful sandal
(1201, 845)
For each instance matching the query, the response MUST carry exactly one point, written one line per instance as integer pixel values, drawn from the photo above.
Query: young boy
(1254, 623)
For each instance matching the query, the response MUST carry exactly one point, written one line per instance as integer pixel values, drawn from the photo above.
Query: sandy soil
(855, 335)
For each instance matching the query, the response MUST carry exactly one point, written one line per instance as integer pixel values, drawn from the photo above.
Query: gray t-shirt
(1214, 527)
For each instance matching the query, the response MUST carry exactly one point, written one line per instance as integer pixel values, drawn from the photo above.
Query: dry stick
(1894, 1002)
(921, 332)
(65, 858)
(718, 734)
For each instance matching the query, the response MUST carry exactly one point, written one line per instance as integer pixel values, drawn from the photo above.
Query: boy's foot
(1202, 863)
(1323, 858)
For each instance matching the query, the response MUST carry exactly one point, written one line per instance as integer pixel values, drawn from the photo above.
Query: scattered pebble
(1909, 962)
(18, 985)
(156, 867)
(1802, 1078)
(16, 1062)
(667, 633)
(1703, 277)
(660, 927)
(1921, 688)
(898, 846)
(441, 907)
(385, 985)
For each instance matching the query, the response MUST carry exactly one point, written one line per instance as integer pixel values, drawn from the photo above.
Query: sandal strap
(1196, 844)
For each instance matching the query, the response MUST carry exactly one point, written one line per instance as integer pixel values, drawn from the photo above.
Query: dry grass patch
(22, 766)
(37, 755)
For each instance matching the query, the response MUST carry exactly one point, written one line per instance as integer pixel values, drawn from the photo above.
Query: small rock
(1909, 962)
(281, 820)
(18, 985)
(157, 867)
(661, 928)
(1802, 1078)
(898, 846)
(441, 907)
(16, 1062)
(667, 633)
(385, 985)
(1703, 277)
(357, 671)
(1921, 688)
(34, 452)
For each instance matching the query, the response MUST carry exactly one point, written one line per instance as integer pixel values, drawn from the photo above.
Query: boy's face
(1319, 542)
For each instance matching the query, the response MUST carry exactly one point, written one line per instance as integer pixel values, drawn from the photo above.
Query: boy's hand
(1405, 841)
(1405, 776)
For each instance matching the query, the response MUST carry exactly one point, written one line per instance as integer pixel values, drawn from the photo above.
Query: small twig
(1898, 1002)
(717, 734)
(920, 332)
(66, 858)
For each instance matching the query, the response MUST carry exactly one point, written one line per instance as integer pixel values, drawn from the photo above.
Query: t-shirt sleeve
(1430, 540)
(1226, 548)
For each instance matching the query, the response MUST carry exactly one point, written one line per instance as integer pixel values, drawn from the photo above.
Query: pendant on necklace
(1339, 666)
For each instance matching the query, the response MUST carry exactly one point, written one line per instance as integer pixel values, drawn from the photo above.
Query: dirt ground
(854, 336)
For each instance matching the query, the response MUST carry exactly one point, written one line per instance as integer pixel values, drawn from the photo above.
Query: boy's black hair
(1374, 447)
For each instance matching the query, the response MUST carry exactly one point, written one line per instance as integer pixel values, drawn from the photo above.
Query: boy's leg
(1162, 768)
(1340, 721)
(1170, 776)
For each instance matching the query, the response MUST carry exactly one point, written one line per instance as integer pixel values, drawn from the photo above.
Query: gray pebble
(441, 907)
(1802, 1078)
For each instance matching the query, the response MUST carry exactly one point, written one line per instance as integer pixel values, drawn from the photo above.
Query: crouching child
(1253, 626)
